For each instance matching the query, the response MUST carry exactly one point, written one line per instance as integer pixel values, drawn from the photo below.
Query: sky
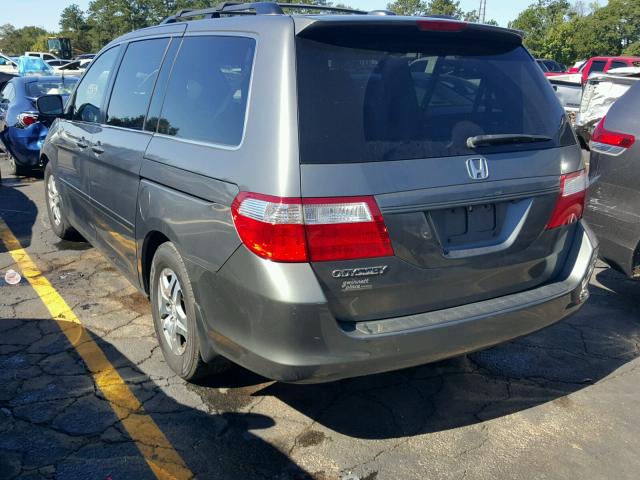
(46, 13)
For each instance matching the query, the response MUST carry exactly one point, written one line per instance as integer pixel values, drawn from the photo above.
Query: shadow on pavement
(55, 423)
(543, 367)
(17, 210)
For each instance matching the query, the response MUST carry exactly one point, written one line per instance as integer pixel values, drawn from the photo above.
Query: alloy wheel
(171, 307)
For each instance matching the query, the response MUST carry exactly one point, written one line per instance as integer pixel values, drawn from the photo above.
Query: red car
(604, 64)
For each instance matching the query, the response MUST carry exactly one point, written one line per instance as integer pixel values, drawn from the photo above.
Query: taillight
(570, 204)
(441, 25)
(311, 229)
(25, 119)
(608, 142)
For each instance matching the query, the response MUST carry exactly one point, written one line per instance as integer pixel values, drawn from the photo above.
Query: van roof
(229, 20)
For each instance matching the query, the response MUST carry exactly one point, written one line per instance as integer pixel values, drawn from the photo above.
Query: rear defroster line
(162, 458)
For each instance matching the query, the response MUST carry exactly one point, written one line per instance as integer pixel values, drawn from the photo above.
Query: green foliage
(445, 7)
(435, 7)
(408, 7)
(565, 32)
(19, 40)
(72, 19)
(633, 49)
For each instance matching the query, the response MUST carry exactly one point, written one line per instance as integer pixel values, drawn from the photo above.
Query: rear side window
(134, 83)
(619, 64)
(370, 99)
(64, 86)
(597, 66)
(206, 97)
(8, 93)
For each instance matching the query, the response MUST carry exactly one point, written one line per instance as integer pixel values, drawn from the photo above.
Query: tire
(174, 318)
(58, 220)
(16, 169)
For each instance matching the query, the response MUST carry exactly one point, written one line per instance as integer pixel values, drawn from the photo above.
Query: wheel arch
(152, 240)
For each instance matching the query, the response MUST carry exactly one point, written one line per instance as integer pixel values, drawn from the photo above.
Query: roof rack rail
(256, 8)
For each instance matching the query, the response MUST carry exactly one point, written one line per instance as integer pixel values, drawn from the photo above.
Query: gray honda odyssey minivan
(324, 194)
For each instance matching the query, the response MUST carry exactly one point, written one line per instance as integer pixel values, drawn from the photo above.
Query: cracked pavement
(560, 404)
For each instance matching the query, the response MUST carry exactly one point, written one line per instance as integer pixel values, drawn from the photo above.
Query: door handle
(97, 148)
(82, 143)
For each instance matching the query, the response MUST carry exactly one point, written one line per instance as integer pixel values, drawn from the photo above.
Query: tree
(538, 19)
(633, 49)
(408, 7)
(435, 7)
(19, 40)
(445, 7)
(72, 19)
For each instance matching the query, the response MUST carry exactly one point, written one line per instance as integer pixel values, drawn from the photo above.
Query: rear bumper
(25, 143)
(274, 320)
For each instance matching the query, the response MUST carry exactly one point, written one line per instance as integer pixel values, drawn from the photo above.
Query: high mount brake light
(608, 142)
(570, 205)
(441, 25)
(311, 229)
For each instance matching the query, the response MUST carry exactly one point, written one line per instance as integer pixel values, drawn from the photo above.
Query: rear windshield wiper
(504, 139)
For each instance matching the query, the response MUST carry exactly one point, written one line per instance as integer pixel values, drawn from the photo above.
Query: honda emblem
(478, 168)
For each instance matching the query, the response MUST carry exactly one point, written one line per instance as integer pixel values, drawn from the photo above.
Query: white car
(46, 56)
(7, 65)
(75, 67)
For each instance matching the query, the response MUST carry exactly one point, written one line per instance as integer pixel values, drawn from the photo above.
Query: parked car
(57, 63)
(550, 67)
(305, 205)
(21, 131)
(599, 93)
(43, 55)
(76, 67)
(85, 56)
(7, 65)
(4, 78)
(604, 64)
(613, 210)
(576, 66)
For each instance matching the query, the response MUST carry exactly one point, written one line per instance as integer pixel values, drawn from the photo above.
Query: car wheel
(16, 169)
(58, 220)
(174, 319)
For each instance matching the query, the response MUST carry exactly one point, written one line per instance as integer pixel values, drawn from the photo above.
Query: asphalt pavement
(85, 393)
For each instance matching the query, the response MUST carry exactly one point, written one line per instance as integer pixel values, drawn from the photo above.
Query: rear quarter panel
(192, 211)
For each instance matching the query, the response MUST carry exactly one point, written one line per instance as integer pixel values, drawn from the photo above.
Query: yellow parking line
(162, 458)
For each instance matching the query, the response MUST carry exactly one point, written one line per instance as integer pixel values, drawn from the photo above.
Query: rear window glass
(366, 100)
(51, 87)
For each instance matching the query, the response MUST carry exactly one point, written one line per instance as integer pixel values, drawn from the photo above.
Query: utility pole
(482, 11)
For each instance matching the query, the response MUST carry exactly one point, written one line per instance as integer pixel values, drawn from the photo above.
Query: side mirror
(50, 106)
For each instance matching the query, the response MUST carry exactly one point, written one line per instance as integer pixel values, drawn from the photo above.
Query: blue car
(21, 132)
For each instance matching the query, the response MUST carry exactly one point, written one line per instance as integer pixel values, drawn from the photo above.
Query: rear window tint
(369, 101)
(206, 97)
(51, 87)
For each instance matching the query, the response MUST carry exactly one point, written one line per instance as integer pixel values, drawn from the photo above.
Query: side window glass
(92, 90)
(618, 64)
(7, 93)
(134, 83)
(153, 114)
(206, 97)
(597, 66)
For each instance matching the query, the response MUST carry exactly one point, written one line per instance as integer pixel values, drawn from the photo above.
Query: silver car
(292, 195)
